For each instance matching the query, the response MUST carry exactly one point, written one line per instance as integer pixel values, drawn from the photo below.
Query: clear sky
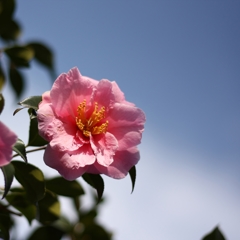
(180, 62)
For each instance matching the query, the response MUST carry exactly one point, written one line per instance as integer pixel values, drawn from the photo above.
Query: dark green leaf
(2, 78)
(214, 235)
(8, 172)
(20, 56)
(48, 208)
(64, 187)
(20, 201)
(17, 81)
(95, 232)
(1, 103)
(42, 54)
(7, 9)
(96, 181)
(5, 222)
(34, 138)
(132, 173)
(10, 30)
(31, 102)
(32, 180)
(19, 148)
(47, 233)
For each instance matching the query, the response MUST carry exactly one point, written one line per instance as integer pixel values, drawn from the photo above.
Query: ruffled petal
(122, 115)
(123, 162)
(68, 91)
(104, 147)
(69, 166)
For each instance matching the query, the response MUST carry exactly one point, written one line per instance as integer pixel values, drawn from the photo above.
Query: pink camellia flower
(7, 140)
(90, 127)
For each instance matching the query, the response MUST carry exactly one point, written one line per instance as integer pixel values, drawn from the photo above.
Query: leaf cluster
(19, 55)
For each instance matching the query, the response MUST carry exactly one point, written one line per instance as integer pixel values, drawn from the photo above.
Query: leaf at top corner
(10, 30)
(2, 102)
(96, 181)
(132, 173)
(214, 235)
(32, 180)
(63, 187)
(8, 173)
(19, 148)
(34, 138)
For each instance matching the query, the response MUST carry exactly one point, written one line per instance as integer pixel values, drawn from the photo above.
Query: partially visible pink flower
(7, 140)
(90, 127)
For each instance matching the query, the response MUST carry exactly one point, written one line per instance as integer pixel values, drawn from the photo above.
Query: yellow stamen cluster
(89, 126)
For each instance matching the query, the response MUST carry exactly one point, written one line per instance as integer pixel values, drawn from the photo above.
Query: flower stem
(32, 150)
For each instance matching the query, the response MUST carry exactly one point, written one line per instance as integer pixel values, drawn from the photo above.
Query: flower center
(90, 126)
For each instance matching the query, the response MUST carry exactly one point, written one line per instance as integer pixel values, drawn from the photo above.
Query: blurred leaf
(132, 173)
(96, 232)
(8, 173)
(6, 222)
(2, 78)
(34, 138)
(10, 30)
(20, 55)
(16, 80)
(20, 201)
(42, 54)
(96, 181)
(214, 235)
(6, 9)
(1, 103)
(47, 233)
(32, 180)
(19, 147)
(49, 208)
(64, 187)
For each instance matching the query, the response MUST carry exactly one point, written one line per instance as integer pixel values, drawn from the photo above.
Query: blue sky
(179, 62)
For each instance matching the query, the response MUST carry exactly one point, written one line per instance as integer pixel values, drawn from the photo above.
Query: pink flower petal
(69, 166)
(7, 140)
(104, 147)
(69, 90)
(122, 115)
(123, 162)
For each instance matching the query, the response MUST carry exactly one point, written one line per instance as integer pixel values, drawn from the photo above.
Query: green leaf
(8, 173)
(5, 222)
(2, 78)
(47, 233)
(32, 180)
(20, 56)
(95, 232)
(96, 181)
(31, 102)
(34, 138)
(1, 103)
(20, 201)
(42, 54)
(132, 173)
(64, 187)
(48, 208)
(214, 235)
(10, 30)
(16, 81)
(7, 9)
(19, 148)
